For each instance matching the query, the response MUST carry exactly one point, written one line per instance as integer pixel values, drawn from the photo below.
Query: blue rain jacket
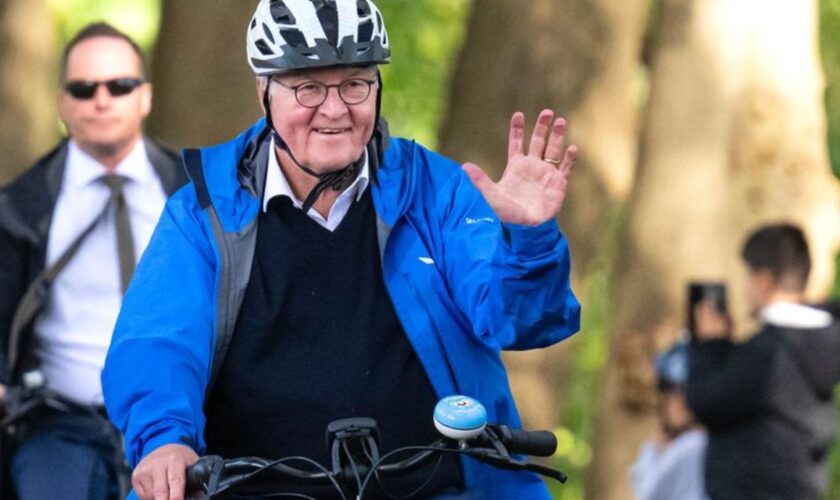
(463, 286)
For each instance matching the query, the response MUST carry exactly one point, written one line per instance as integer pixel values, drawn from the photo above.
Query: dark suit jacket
(26, 209)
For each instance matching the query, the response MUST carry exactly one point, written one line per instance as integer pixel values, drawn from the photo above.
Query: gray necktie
(125, 242)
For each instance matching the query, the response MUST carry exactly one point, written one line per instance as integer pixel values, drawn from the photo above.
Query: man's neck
(782, 297)
(109, 157)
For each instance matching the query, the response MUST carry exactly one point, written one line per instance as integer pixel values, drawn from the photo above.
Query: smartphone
(701, 291)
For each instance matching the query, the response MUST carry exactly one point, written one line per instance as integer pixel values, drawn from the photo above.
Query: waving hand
(533, 186)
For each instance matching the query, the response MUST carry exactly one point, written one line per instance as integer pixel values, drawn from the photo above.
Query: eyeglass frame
(327, 87)
(131, 83)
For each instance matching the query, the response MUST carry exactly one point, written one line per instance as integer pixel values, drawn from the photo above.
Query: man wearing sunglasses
(71, 230)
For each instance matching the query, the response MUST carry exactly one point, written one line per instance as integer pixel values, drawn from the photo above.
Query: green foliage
(425, 36)
(830, 48)
(137, 18)
(574, 437)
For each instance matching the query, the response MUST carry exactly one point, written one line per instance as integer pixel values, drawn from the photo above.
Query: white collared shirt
(74, 330)
(276, 184)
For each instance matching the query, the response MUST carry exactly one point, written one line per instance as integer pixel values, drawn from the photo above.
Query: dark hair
(101, 29)
(782, 250)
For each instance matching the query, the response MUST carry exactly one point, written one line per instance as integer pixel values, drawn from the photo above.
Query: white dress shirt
(74, 330)
(276, 184)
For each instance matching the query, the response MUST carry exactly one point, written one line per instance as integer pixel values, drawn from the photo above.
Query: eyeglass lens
(81, 89)
(353, 91)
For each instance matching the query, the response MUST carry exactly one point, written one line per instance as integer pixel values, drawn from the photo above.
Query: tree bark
(734, 137)
(580, 58)
(204, 89)
(27, 84)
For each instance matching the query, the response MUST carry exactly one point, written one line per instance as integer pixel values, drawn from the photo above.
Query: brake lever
(509, 463)
(546, 471)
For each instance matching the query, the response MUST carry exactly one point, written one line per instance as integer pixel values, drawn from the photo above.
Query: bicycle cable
(352, 464)
(416, 490)
(379, 462)
(236, 481)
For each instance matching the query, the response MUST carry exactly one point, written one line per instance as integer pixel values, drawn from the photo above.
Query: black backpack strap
(195, 171)
(36, 295)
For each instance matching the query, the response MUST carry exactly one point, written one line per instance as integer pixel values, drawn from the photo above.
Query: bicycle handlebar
(494, 447)
(461, 420)
(520, 442)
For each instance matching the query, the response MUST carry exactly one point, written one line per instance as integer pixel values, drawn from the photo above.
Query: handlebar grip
(198, 474)
(536, 443)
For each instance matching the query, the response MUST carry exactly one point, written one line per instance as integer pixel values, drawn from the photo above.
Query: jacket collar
(235, 193)
(27, 202)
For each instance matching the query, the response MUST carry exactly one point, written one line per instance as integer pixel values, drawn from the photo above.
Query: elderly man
(317, 269)
(71, 230)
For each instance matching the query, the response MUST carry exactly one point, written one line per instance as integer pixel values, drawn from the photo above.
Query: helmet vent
(281, 13)
(366, 31)
(294, 38)
(268, 34)
(363, 8)
(253, 23)
(263, 47)
(328, 16)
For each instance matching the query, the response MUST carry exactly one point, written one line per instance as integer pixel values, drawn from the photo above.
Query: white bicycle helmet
(287, 35)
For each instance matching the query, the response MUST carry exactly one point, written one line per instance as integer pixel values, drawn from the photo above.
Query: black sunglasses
(82, 89)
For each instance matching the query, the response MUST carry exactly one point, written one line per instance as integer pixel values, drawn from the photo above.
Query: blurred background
(697, 120)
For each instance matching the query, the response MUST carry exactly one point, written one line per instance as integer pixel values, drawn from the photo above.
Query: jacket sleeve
(158, 362)
(728, 383)
(512, 282)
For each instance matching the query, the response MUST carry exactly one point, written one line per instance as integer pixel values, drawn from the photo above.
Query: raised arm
(507, 263)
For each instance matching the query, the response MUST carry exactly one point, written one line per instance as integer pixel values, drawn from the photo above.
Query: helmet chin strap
(336, 179)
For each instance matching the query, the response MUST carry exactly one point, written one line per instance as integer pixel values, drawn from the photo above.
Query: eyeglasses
(313, 94)
(85, 89)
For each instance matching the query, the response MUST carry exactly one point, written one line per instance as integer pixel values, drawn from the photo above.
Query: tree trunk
(204, 89)
(734, 137)
(27, 84)
(580, 58)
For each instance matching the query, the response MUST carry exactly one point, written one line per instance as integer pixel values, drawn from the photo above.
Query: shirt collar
(83, 169)
(793, 315)
(276, 183)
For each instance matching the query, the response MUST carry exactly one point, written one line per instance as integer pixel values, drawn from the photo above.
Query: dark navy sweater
(317, 340)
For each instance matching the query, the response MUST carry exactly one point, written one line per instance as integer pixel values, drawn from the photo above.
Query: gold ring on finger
(553, 162)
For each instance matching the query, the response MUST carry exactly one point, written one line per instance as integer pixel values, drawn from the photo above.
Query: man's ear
(766, 281)
(261, 83)
(146, 95)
